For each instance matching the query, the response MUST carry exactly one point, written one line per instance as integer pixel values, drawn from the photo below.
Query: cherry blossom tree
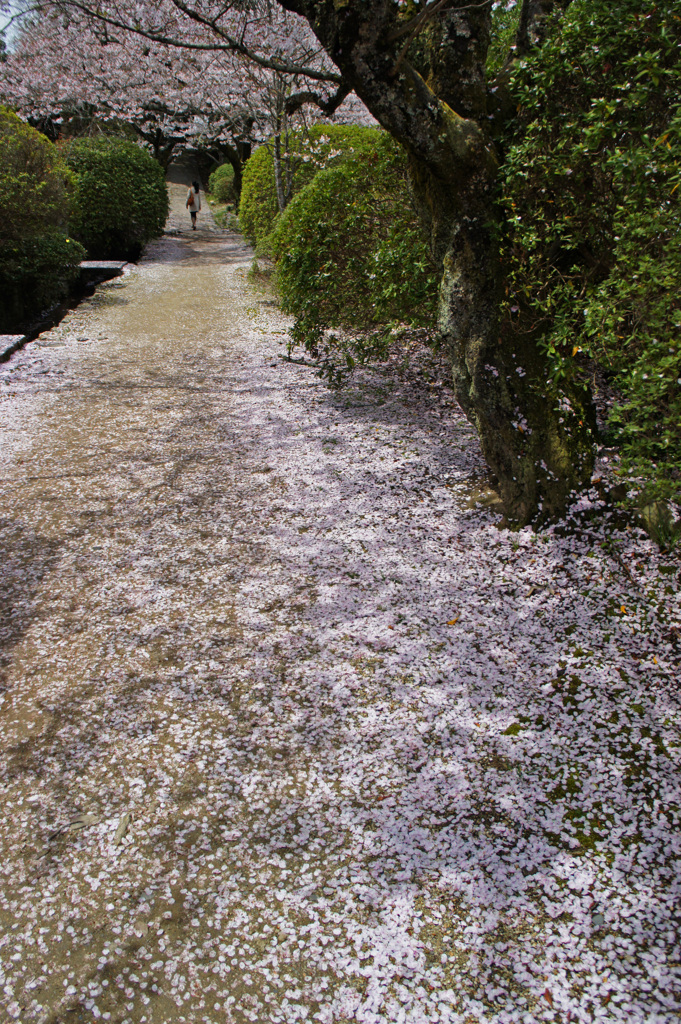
(65, 67)
(419, 66)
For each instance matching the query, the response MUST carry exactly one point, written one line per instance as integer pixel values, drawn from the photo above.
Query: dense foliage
(37, 260)
(350, 254)
(35, 273)
(505, 18)
(121, 197)
(258, 207)
(35, 186)
(591, 187)
(221, 184)
(322, 147)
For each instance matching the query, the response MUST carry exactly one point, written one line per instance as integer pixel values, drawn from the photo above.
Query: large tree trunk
(535, 438)
(425, 83)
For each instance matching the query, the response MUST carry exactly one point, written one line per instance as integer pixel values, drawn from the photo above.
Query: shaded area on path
(384, 762)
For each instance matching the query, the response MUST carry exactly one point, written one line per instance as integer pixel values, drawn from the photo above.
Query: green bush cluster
(121, 197)
(35, 186)
(322, 147)
(221, 184)
(348, 250)
(106, 193)
(258, 207)
(38, 262)
(35, 274)
(349, 253)
(592, 191)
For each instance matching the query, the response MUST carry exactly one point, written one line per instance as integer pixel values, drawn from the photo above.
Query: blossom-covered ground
(290, 729)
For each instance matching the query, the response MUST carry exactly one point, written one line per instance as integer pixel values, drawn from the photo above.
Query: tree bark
(535, 18)
(279, 158)
(278, 176)
(235, 156)
(425, 82)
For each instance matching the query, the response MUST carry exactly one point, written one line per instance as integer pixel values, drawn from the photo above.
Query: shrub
(350, 254)
(121, 197)
(322, 147)
(592, 191)
(221, 184)
(35, 185)
(504, 28)
(258, 207)
(37, 261)
(35, 274)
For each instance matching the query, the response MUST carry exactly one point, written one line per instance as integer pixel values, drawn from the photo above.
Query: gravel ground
(290, 730)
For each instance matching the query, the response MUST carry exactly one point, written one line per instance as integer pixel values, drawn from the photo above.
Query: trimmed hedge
(258, 208)
(38, 263)
(121, 198)
(322, 147)
(350, 254)
(35, 185)
(35, 274)
(221, 184)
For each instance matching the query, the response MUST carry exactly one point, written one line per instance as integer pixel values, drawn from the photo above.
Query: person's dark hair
(195, 185)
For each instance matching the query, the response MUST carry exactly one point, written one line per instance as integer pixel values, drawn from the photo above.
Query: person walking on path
(194, 202)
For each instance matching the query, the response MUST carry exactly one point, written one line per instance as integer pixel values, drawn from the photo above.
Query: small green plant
(225, 218)
(121, 197)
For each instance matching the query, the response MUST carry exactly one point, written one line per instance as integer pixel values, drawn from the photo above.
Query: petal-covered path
(289, 729)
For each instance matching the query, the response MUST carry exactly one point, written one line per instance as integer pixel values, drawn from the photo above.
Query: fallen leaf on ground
(122, 828)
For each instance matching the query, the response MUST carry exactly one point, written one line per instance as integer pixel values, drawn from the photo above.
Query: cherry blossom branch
(224, 42)
(285, 68)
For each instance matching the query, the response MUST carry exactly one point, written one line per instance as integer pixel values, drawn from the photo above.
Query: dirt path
(179, 220)
(290, 731)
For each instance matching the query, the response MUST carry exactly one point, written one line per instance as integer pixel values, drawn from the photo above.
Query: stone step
(9, 343)
(96, 271)
(102, 264)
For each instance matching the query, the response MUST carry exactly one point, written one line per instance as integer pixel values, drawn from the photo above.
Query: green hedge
(35, 274)
(592, 190)
(349, 253)
(121, 197)
(38, 262)
(322, 147)
(258, 207)
(35, 185)
(221, 184)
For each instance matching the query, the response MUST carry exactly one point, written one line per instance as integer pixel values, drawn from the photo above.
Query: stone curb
(92, 273)
(9, 343)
